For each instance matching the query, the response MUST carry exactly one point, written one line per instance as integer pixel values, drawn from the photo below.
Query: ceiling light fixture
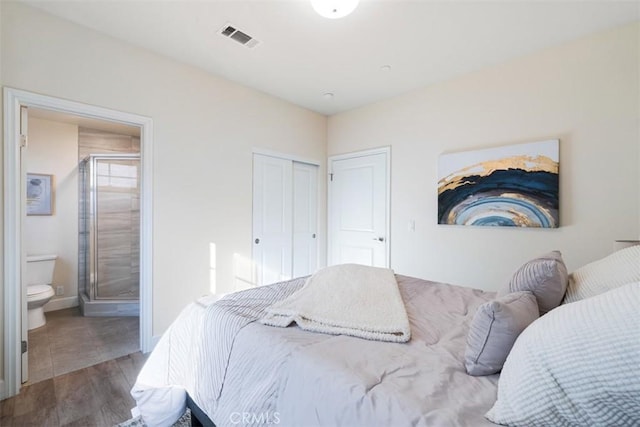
(334, 9)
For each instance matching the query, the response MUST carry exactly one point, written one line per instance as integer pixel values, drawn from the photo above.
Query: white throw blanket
(347, 299)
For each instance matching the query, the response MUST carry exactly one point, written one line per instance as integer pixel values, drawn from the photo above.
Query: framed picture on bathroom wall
(39, 194)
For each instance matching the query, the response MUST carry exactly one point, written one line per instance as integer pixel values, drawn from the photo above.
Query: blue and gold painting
(510, 186)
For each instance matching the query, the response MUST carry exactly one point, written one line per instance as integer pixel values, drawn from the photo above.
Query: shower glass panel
(109, 251)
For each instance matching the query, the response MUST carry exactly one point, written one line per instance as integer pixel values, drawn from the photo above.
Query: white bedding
(576, 366)
(297, 378)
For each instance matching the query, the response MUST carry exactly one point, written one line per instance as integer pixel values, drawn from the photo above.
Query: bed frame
(198, 417)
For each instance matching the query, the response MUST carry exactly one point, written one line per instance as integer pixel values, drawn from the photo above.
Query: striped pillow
(545, 277)
(608, 273)
(576, 366)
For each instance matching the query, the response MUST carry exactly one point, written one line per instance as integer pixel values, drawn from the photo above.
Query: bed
(234, 370)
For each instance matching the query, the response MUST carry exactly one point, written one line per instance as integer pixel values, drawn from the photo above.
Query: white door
(285, 197)
(272, 218)
(358, 209)
(23, 259)
(305, 199)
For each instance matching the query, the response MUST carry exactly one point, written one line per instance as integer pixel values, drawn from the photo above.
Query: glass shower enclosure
(109, 235)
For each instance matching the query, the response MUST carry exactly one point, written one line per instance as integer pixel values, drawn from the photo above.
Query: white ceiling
(302, 56)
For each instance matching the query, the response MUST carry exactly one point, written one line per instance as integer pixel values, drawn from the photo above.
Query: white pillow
(608, 273)
(576, 365)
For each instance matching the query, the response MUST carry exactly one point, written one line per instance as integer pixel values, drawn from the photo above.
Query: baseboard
(61, 303)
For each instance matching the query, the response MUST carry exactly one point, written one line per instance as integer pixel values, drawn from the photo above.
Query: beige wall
(585, 93)
(53, 149)
(205, 129)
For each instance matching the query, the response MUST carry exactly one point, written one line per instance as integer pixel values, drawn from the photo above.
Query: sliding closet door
(272, 218)
(305, 220)
(284, 219)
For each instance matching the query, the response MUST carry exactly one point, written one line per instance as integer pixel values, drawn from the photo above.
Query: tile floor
(69, 342)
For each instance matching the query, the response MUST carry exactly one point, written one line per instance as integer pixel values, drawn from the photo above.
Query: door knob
(379, 239)
(313, 236)
(257, 241)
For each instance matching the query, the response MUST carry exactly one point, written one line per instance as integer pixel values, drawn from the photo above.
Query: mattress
(239, 371)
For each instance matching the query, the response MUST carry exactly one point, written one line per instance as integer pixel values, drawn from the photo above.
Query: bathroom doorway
(92, 235)
(66, 114)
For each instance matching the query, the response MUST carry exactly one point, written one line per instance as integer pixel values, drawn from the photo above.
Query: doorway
(358, 205)
(15, 324)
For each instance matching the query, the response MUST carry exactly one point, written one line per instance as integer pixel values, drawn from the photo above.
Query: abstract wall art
(513, 186)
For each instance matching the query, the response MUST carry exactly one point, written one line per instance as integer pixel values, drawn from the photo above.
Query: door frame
(364, 153)
(13, 220)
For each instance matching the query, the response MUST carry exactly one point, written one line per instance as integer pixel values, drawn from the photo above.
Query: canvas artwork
(514, 186)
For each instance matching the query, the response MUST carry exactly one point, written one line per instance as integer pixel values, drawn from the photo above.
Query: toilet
(39, 276)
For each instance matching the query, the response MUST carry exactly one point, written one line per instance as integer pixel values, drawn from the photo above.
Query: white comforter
(291, 377)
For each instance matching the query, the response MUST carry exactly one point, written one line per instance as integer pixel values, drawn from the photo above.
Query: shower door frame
(14, 202)
(90, 185)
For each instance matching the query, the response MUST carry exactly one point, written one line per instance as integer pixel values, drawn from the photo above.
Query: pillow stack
(576, 366)
(536, 288)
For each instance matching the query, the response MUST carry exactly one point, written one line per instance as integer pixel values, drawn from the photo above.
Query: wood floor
(93, 396)
(79, 374)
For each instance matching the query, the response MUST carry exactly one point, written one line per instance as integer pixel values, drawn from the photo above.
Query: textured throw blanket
(346, 299)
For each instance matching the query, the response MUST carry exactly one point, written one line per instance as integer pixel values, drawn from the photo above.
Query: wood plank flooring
(94, 396)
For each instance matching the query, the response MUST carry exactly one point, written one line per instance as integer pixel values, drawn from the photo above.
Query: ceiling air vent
(241, 37)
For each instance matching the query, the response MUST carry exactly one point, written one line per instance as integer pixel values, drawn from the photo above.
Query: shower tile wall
(119, 213)
(91, 141)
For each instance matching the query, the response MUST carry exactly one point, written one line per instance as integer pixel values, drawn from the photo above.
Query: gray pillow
(546, 277)
(494, 329)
